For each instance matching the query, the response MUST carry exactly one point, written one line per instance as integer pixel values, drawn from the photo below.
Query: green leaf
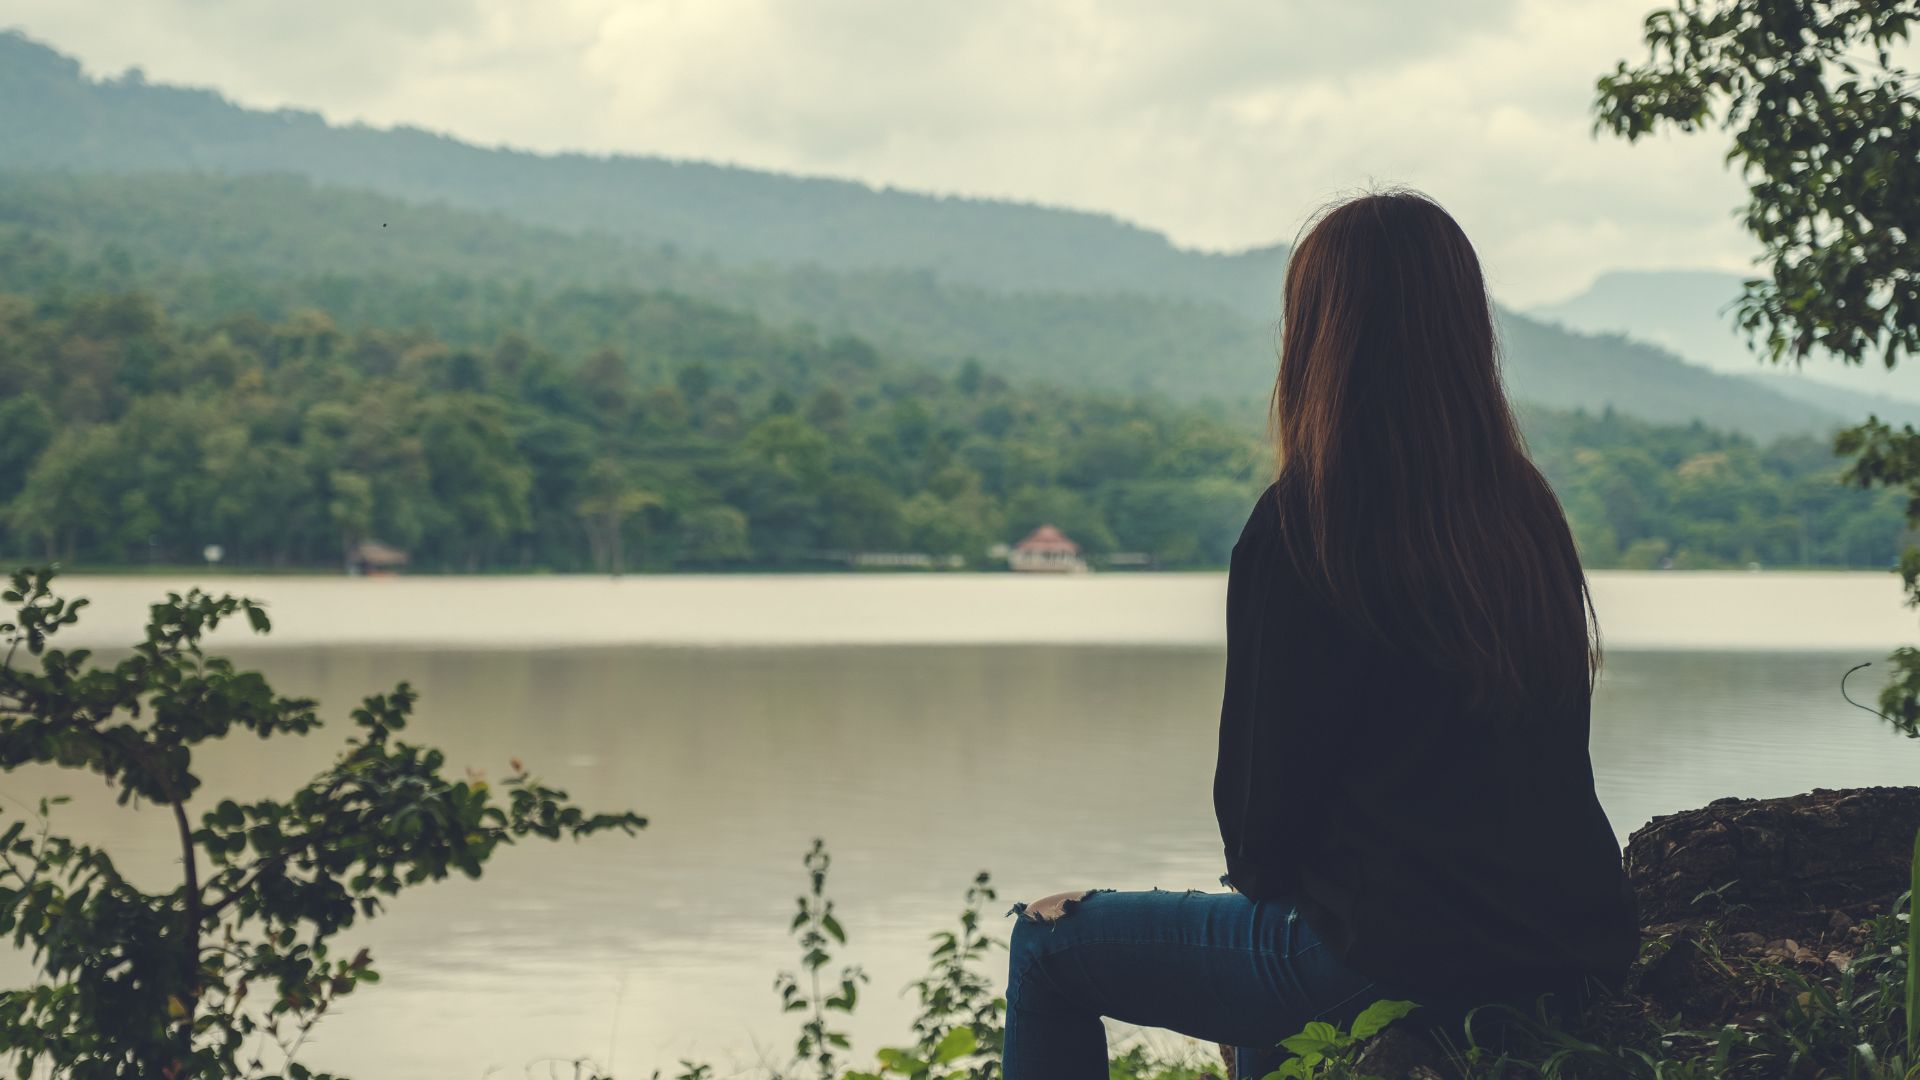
(1316, 1037)
(958, 1044)
(1301, 1044)
(901, 1061)
(1320, 1029)
(1378, 1015)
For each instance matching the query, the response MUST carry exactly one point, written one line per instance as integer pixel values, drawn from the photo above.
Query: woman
(1403, 783)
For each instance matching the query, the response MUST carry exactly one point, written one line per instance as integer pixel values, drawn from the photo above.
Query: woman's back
(1440, 846)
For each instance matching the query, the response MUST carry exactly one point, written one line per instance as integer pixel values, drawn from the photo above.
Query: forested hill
(52, 115)
(1069, 297)
(130, 438)
(206, 246)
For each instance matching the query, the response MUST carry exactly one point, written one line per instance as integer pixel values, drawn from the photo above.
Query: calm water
(1058, 733)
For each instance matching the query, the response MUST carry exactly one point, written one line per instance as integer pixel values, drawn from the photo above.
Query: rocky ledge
(1788, 881)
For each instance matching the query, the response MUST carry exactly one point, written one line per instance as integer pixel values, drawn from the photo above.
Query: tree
(263, 498)
(860, 514)
(1826, 131)
(1825, 126)
(349, 508)
(370, 463)
(959, 526)
(608, 384)
(713, 534)
(178, 983)
(794, 448)
(827, 409)
(64, 497)
(611, 499)
(480, 481)
(26, 426)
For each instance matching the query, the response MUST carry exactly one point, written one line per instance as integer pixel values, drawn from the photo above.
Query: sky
(1222, 123)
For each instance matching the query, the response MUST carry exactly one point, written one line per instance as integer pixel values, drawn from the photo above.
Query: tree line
(128, 438)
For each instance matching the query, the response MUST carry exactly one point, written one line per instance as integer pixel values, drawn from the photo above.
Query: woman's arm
(1272, 765)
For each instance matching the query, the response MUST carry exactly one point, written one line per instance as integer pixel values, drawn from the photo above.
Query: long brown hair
(1405, 489)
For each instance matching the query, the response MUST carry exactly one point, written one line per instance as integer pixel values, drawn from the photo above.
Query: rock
(1772, 861)
(1784, 880)
(1788, 879)
(1401, 1054)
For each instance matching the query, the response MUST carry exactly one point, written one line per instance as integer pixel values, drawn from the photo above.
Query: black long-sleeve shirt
(1441, 853)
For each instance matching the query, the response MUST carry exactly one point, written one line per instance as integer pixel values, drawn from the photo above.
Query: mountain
(207, 245)
(225, 202)
(1548, 365)
(1690, 312)
(61, 119)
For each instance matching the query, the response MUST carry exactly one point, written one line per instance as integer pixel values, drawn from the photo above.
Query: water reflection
(1055, 766)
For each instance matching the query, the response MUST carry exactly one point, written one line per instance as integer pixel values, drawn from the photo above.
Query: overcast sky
(1219, 122)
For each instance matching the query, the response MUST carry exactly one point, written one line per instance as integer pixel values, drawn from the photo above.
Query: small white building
(1046, 549)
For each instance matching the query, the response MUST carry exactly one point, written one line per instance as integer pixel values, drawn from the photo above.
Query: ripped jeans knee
(1053, 908)
(1041, 928)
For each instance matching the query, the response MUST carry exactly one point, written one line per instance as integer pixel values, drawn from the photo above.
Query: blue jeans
(1214, 966)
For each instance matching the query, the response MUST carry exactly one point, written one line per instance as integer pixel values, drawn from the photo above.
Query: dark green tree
(610, 502)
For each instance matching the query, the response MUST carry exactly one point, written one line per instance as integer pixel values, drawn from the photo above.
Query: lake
(1057, 732)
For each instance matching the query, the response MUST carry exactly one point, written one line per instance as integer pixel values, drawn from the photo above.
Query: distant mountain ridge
(737, 214)
(1690, 313)
(108, 167)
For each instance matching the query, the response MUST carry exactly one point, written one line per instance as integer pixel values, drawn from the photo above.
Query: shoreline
(1797, 611)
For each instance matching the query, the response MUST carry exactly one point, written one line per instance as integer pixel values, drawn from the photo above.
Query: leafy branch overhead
(204, 976)
(1825, 130)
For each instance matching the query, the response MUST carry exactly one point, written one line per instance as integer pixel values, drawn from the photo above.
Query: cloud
(1222, 123)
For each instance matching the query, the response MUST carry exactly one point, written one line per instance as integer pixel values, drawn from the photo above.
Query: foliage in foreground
(232, 967)
(1794, 1015)
(1785, 1014)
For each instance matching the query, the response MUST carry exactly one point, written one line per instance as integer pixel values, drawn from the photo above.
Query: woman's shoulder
(1269, 558)
(1263, 521)
(1262, 550)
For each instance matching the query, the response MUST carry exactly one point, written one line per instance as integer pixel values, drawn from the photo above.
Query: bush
(176, 983)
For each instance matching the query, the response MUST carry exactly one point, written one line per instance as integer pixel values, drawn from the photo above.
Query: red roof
(1046, 538)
